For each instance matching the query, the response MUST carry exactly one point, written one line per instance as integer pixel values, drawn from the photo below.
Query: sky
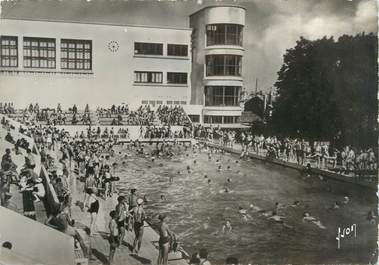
(272, 26)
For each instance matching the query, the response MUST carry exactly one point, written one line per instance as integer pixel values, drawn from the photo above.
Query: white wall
(112, 78)
(35, 240)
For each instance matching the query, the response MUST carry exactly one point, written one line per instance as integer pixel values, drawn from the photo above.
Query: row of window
(222, 95)
(221, 119)
(224, 34)
(230, 65)
(41, 53)
(142, 48)
(160, 102)
(157, 77)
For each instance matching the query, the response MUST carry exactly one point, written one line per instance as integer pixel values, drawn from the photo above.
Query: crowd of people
(115, 115)
(7, 108)
(91, 162)
(113, 110)
(172, 115)
(320, 154)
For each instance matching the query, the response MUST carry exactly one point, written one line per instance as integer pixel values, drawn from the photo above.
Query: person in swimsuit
(139, 219)
(113, 236)
(227, 227)
(164, 240)
(121, 215)
(93, 208)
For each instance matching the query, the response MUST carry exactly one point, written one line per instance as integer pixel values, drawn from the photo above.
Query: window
(230, 119)
(148, 77)
(176, 102)
(76, 54)
(224, 34)
(230, 65)
(8, 51)
(177, 50)
(220, 119)
(222, 95)
(169, 102)
(159, 102)
(212, 119)
(144, 102)
(194, 118)
(148, 48)
(39, 53)
(177, 78)
(152, 102)
(183, 102)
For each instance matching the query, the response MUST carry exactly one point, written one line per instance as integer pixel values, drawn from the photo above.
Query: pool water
(197, 210)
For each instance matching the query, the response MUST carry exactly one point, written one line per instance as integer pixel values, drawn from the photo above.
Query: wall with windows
(217, 62)
(101, 64)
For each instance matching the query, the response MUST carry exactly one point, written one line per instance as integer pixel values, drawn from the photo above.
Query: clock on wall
(113, 46)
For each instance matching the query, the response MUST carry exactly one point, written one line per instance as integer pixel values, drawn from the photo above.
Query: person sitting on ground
(9, 138)
(61, 221)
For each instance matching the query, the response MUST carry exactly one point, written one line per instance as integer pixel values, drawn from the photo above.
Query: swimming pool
(198, 209)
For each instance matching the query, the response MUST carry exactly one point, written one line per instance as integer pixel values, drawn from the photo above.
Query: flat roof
(216, 6)
(94, 23)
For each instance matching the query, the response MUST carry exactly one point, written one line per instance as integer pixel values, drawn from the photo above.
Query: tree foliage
(327, 90)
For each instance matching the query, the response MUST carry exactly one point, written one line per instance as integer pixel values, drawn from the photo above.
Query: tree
(327, 88)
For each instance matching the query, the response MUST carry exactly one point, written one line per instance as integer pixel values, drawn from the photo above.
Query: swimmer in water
(228, 167)
(205, 176)
(194, 161)
(255, 208)
(171, 179)
(219, 168)
(145, 199)
(335, 206)
(241, 210)
(229, 180)
(152, 159)
(163, 198)
(307, 217)
(295, 204)
(345, 200)
(226, 190)
(209, 181)
(226, 227)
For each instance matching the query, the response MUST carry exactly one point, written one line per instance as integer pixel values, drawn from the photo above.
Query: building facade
(52, 62)
(217, 53)
(199, 67)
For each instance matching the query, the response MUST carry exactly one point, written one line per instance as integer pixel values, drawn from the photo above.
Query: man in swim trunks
(121, 216)
(164, 240)
(139, 219)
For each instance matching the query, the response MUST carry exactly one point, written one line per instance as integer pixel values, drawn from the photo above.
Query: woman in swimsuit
(93, 208)
(164, 240)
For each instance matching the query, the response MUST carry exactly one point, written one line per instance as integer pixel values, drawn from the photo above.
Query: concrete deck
(99, 241)
(329, 174)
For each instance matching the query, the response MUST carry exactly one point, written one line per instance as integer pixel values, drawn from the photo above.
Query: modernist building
(53, 62)
(101, 64)
(217, 52)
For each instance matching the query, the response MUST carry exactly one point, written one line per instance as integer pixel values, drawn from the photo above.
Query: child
(113, 236)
